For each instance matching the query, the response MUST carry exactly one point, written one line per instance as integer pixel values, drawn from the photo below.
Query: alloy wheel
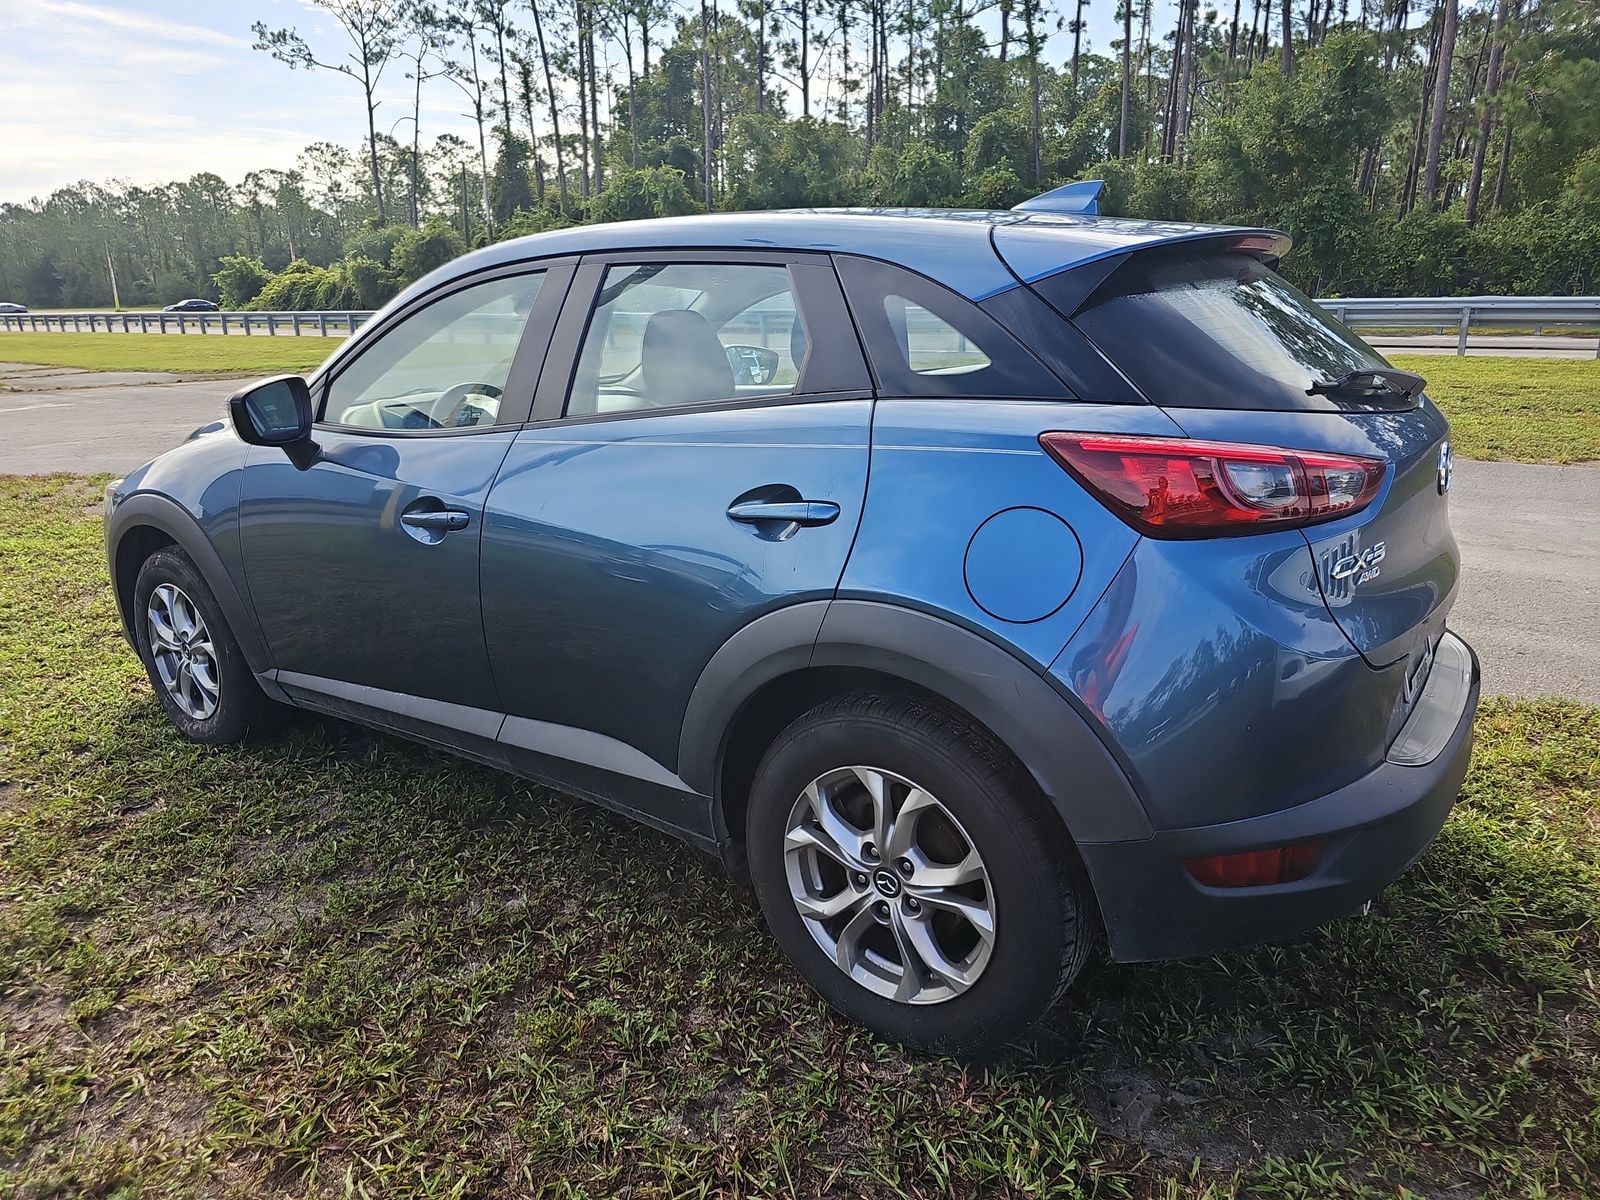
(890, 885)
(185, 656)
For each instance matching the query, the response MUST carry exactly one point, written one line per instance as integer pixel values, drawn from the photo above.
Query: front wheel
(914, 875)
(194, 662)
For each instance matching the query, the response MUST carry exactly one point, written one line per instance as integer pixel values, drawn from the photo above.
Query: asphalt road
(1479, 345)
(1529, 535)
(57, 419)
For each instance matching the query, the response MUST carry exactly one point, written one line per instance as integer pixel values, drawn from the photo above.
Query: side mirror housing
(275, 412)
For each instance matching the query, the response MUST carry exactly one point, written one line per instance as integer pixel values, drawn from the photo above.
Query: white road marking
(31, 407)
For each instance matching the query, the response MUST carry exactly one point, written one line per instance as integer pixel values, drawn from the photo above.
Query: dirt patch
(1179, 1125)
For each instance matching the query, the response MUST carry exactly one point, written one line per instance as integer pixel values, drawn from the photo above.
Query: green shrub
(301, 286)
(419, 251)
(998, 187)
(240, 280)
(647, 192)
(368, 283)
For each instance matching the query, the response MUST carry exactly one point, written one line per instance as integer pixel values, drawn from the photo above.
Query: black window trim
(526, 364)
(819, 302)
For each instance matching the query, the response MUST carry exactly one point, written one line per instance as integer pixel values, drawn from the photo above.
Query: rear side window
(1217, 330)
(929, 343)
(924, 340)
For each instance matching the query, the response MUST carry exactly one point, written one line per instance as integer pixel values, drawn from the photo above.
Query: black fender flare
(162, 512)
(1052, 738)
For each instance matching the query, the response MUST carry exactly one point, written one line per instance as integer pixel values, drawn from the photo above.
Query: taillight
(1257, 868)
(1179, 488)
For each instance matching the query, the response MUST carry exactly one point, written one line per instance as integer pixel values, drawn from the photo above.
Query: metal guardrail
(1462, 314)
(1465, 313)
(327, 324)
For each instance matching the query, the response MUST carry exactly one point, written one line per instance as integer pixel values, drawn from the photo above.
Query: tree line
(1411, 146)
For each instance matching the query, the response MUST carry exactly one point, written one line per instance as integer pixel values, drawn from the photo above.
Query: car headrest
(682, 361)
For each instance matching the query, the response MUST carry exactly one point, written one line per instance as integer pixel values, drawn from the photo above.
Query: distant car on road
(1139, 631)
(195, 305)
(12, 309)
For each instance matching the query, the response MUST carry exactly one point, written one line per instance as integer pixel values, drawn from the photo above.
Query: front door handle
(805, 513)
(439, 520)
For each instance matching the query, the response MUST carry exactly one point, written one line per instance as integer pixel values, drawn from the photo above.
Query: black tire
(241, 710)
(1045, 922)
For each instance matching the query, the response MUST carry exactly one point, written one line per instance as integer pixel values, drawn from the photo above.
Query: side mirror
(275, 412)
(753, 364)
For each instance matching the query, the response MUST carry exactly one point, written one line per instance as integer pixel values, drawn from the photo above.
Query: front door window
(443, 367)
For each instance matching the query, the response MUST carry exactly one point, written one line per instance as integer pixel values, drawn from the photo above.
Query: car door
(698, 457)
(363, 568)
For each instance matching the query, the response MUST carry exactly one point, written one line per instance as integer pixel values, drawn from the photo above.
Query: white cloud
(88, 17)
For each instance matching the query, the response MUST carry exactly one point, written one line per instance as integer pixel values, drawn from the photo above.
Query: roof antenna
(1082, 199)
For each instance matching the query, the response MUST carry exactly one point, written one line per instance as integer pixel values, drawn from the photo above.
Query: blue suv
(983, 586)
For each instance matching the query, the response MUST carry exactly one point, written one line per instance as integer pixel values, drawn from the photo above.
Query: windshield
(1222, 330)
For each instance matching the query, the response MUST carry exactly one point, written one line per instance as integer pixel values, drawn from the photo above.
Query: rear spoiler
(1076, 281)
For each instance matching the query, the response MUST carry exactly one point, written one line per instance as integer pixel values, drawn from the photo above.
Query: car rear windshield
(1219, 330)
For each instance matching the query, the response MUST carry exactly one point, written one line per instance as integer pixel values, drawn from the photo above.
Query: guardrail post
(272, 324)
(322, 323)
(294, 319)
(247, 324)
(1466, 326)
(224, 318)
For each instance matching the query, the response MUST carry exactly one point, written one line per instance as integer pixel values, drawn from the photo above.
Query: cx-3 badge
(1447, 468)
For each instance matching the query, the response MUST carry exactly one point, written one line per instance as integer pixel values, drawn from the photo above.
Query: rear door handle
(806, 513)
(441, 520)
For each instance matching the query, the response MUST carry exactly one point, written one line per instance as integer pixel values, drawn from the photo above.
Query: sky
(147, 91)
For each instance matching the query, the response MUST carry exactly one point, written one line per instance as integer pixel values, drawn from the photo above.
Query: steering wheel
(456, 398)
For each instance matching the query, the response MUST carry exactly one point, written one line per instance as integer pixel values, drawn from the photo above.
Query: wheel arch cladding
(146, 522)
(793, 658)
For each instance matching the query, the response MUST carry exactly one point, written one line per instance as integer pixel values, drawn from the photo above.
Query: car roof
(977, 253)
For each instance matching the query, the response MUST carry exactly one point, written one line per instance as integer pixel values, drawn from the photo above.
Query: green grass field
(182, 354)
(1531, 410)
(1526, 409)
(341, 964)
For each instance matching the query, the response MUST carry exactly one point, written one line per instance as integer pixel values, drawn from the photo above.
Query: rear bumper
(1376, 827)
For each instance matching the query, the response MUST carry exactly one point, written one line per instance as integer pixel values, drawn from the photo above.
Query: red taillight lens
(1176, 487)
(1257, 868)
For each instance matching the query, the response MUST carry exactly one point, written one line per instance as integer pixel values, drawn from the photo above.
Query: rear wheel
(914, 874)
(194, 662)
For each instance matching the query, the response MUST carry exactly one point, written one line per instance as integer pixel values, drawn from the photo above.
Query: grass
(1526, 410)
(343, 965)
(181, 354)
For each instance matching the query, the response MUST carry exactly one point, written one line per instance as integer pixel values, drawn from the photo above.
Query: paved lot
(1530, 593)
(55, 419)
(1530, 535)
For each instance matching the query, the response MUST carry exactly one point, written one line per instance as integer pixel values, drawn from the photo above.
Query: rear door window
(1218, 330)
(673, 335)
